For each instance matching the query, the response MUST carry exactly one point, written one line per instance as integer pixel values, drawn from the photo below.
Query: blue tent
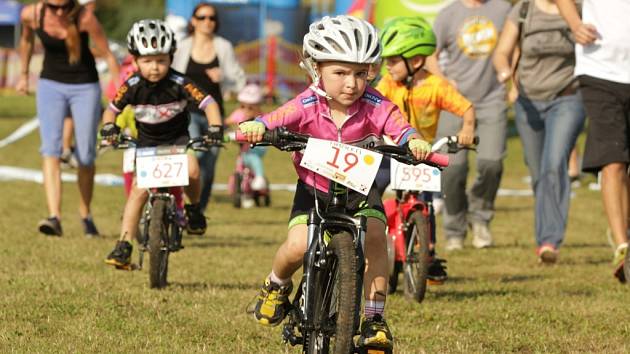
(10, 12)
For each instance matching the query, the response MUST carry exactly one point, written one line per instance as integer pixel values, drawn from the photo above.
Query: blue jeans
(198, 126)
(57, 100)
(252, 158)
(548, 131)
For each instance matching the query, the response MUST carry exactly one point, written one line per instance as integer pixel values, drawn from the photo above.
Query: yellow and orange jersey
(424, 102)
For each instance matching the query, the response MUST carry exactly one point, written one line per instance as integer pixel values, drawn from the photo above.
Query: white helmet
(150, 37)
(342, 38)
(250, 94)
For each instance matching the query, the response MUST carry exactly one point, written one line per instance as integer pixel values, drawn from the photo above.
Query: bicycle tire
(416, 265)
(238, 190)
(158, 249)
(339, 290)
(393, 277)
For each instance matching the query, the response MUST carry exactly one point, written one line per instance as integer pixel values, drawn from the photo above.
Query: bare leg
(290, 255)
(615, 196)
(52, 184)
(376, 272)
(131, 215)
(574, 166)
(86, 188)
(193, 190)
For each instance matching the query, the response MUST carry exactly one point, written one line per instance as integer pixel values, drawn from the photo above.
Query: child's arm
(467, 134)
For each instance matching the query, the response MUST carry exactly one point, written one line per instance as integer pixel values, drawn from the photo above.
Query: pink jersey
(369, 118)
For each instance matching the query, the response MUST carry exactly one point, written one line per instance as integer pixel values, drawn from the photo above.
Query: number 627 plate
(163, 166)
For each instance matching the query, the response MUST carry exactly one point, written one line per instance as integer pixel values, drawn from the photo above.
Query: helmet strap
(309, 65)
(411, 72)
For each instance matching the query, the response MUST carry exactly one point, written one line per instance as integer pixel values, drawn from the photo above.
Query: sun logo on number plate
(369, 160)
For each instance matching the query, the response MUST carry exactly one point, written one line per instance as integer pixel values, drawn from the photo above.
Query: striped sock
(374, 308)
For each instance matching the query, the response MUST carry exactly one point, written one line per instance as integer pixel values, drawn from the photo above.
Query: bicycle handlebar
(125, 141)
(285, 140)
(452, 142)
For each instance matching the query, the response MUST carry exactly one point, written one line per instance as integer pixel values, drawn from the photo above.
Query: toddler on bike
(250, 99)
(407, 42)
(159, 96)
(339, 106)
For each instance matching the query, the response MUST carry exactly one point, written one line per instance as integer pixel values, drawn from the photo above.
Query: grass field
(57, 295)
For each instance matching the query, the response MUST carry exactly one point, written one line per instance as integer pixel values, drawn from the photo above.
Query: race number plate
(415, 178)
(162, 166)
(129, 157)
(348, 165)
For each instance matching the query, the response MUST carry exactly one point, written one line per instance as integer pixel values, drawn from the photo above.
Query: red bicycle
(411, 226)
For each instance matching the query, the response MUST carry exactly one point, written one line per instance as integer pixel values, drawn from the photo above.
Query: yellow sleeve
(450, 100)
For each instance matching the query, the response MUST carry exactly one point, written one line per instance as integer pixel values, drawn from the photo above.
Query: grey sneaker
(482, 237)
(454, 244)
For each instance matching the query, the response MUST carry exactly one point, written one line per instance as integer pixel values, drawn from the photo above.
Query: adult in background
(68, 84)
(210, 62)
(603, 68)
(468, 30)
(549, 111)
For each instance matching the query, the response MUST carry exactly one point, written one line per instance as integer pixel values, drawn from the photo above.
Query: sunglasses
(212, 18)
(66, 6)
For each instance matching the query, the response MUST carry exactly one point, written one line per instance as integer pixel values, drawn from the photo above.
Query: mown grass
(56, 295)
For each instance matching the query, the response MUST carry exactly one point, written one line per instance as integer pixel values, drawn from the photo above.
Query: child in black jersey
(159, 96)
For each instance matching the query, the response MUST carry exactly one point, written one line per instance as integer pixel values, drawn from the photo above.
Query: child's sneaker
(50, 226)
(272, 303)
(618, 262)
(259, 183)
(547, 254)
(120, 257)
(436, 274)
(375, 334)
(196, 219)
(89, 229)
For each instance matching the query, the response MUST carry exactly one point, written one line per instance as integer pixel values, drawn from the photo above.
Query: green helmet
(408, 37)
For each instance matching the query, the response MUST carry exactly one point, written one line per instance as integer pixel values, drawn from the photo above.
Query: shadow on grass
(199, 286)
(463, 295)
(237, 242)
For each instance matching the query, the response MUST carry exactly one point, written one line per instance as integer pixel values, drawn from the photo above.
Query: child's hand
(466, 136)
(252, 130)
(110, 132)
(419, 148)
(215, 134)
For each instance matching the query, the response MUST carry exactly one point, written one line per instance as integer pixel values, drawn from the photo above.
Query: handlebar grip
(238, 136)
(438, 159)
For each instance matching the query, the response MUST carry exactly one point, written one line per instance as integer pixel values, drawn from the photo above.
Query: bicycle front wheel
(417, 253)
(335, 299)
(158, 248)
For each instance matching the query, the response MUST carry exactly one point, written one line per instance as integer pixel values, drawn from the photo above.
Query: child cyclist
(407, 42)
(338, 106)
(250, 99)
(159, 96)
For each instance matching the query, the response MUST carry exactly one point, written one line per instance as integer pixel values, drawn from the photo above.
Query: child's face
(344, 82)
(397, 68)
(153, 67)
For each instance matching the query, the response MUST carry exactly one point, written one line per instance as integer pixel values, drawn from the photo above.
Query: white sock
(274, 278)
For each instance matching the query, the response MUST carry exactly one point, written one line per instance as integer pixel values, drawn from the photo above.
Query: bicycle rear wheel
(417, 264)
(335, 300)
(158, 246)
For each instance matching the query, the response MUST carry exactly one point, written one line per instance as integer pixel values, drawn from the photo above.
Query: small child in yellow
(420, 95)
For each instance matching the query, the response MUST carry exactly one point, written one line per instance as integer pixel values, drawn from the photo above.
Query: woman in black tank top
(68, 83)
(208, 60)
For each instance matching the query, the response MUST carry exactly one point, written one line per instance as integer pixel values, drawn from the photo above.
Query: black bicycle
(324, 314)
(162, 225)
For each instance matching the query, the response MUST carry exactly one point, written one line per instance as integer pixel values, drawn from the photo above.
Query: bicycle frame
(398, 210)
(335, 218)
